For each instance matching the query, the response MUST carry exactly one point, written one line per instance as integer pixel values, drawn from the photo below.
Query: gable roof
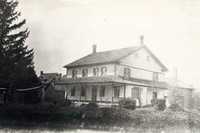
(110, 56)
(164, 68)
(103, 57)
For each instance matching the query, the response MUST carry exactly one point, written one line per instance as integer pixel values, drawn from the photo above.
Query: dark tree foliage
(16, 59)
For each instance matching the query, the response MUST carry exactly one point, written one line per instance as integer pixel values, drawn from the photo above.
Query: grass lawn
(63, 117)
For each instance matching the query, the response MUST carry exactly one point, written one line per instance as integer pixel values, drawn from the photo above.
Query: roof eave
(164, 68)
(93, 64)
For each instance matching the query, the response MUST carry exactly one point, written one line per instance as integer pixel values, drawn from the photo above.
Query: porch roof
(112, 79)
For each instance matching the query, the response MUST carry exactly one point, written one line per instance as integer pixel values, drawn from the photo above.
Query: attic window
(148, 58)
(155, 76)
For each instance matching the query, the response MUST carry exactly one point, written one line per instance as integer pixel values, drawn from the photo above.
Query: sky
(62, 31)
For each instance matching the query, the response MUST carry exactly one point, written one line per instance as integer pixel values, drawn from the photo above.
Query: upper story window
(127, 72)
(85, 72)
(96, 71)
(74, 73)
(155, 76)
(103, 71)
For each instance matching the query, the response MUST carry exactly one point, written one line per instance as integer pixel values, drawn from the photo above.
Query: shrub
(127, 103)
(68, 102)
(91, 106)
(154, 102)
(112, 115)
(90, 111)
(175, 107)
(160, 104)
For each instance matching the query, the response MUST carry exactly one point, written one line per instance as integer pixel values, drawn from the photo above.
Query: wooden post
(124, 91)
(86, 91)
(112, 93)
(80, 89)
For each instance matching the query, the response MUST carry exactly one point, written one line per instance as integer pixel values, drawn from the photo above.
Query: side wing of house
(143, 66)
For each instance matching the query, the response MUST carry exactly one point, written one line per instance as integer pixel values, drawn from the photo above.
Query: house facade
(109, 76)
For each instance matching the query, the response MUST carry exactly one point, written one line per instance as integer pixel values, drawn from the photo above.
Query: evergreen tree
(16, 59)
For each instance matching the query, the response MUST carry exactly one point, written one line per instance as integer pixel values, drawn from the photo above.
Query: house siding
(110, 70)
(139, 59)
(138, 73)
(141, 68)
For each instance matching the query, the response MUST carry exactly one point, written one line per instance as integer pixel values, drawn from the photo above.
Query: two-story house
(107, 77)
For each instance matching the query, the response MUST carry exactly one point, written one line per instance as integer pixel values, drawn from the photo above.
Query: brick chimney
(142, 40)
(94, 48)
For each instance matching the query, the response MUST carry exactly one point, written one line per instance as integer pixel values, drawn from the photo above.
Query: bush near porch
(127, 103)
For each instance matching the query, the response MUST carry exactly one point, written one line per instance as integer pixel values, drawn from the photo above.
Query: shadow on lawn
(57, 117)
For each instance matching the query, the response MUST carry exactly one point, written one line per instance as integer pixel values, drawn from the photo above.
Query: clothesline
(29, 89)
(26, 89)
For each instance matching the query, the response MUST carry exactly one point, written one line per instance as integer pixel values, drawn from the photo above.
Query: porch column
(80, 90)
(112, 93)
(124, 91)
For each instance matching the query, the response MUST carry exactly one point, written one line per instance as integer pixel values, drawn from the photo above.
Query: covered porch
(110, 90)
(94, 92)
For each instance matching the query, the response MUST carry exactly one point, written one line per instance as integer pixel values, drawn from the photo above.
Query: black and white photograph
(99, 66)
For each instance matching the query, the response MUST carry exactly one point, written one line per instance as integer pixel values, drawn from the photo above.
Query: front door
(94, 93)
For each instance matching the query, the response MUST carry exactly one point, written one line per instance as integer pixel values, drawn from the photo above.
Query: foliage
(175, 107)
(153, 101)
(92, 106)
(160, 104)
(127, 103)
(141, 117)
(16, 58)
(90, 111)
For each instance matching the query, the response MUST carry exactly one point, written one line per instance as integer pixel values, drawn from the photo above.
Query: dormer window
(103, 71)
(96, 72)
(85, 72)
(74, 73)
(127, 72)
